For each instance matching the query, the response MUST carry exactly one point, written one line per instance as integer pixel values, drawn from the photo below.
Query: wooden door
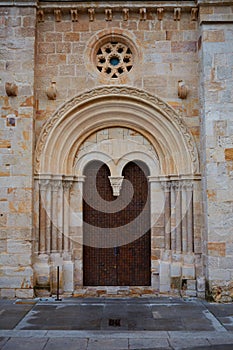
(118, 265)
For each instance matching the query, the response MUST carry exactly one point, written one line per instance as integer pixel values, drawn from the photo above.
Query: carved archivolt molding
(142, 101)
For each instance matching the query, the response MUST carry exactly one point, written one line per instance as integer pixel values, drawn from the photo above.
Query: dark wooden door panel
(127, 264)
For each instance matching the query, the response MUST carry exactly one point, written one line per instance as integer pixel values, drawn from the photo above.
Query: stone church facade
(116, 148)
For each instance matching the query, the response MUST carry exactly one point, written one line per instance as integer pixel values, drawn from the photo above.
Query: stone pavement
(115, 324)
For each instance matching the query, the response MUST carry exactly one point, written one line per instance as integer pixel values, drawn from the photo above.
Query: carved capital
(187, 185)
(45, 184)
(116, 183)
(166, 186)
(56, 185)
(176, 185)
(67, 185)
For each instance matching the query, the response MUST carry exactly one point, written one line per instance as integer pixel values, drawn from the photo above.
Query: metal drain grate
(114, 322)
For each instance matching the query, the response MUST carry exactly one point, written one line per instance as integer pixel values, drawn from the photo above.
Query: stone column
(184, 219)
(48, 218)
(173, 216)
(43, 186)
(189, 204)
(55, 241)
(167, 213)
(178, 217)
(76, 228)
(36, 216)
(157, 227)
(66, 213)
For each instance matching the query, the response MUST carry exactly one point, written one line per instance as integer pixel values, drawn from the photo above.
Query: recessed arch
(115, 106)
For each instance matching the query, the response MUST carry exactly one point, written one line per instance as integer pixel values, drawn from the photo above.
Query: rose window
(113, 59)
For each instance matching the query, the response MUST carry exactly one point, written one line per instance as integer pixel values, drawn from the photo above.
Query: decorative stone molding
(116, 183)
(11, 89)
(141, 97)
(101, 7)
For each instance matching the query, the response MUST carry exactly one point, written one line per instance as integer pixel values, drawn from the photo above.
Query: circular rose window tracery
(114, 58)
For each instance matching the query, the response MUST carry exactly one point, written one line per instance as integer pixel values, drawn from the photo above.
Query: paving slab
(145, 343)
(106, 344)
(27, 343)
(66, 344)
(11, 313)
(144, 323)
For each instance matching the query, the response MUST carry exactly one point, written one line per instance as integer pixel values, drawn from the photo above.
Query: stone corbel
(160, 13)
(142, 12)
(91, 13)
(57, 15)
(194, 14)
(52, 91)
(11, 89)
(182, 90)
(125, 12)
(116, 183)
(108, 14)
(74, 15)
(40, 16)
(177, 14)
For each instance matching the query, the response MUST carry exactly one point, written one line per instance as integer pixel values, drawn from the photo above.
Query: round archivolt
(114, 59)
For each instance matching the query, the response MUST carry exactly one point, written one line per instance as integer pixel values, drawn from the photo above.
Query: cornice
(116, 4)
(19, 3)
(214, 2)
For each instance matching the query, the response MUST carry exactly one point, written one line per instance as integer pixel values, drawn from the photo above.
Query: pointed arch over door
(124, 264)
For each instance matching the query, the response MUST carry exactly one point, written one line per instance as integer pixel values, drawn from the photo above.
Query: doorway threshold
(115, 292)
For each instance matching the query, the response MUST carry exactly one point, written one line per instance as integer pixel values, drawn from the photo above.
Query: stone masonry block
(175, 270)
(7, 293)
(164, 273)
(217, 248)
(188, 272)
(24, 293)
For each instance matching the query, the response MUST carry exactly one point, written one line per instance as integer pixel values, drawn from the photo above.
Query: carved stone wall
(17, 41)
(71, 71)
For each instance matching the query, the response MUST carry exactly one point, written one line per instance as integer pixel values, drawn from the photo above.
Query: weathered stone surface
(39, 48)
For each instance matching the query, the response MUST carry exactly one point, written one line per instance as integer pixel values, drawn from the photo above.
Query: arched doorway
(123, 264)
(117, 125)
